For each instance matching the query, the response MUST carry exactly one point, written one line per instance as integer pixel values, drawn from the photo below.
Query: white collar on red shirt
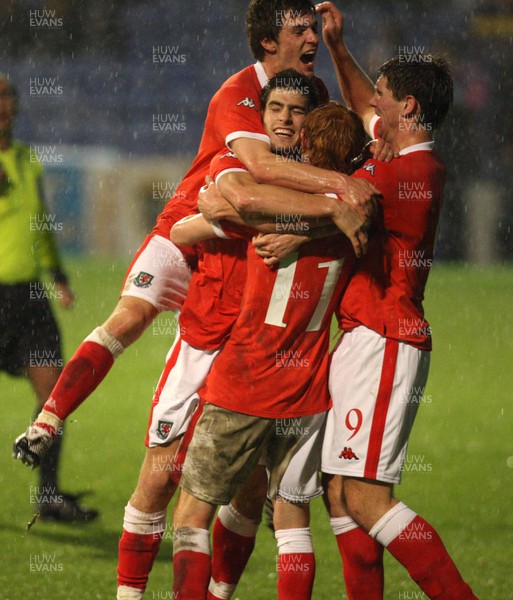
(261, 74)
(424, 146)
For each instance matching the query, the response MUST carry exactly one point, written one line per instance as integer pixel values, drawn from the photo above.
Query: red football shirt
(275, 362)
(233, 112)
(214, 295)
(386, 292)
(215, 291)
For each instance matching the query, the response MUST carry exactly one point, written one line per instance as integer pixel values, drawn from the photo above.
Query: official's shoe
(66, 509)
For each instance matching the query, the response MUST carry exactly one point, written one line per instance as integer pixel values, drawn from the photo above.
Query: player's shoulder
(244, 78)
(373, 170)
(224, 162)
(423, 160)
(242, 87)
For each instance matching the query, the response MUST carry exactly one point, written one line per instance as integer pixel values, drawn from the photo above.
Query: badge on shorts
(143, 280)
(164, 429)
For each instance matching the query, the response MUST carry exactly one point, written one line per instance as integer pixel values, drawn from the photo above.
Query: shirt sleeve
(228, 230)
(238, 115)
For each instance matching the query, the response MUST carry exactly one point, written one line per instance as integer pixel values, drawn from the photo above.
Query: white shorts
(158, 274)
(176, 397)
(376, 385)
(301, 481)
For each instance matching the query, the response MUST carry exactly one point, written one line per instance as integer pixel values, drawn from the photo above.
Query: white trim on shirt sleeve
(218, 230)
(230, 170)
(246, 134)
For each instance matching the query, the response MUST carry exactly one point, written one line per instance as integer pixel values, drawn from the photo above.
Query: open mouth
(283, 133)
(308, 58)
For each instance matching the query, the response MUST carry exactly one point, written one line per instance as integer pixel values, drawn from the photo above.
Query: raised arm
(356, 88)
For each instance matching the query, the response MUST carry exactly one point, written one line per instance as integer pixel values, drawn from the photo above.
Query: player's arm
(263, 166)
(356, 88)
(275, 247)
(281, 201)
(192, 229)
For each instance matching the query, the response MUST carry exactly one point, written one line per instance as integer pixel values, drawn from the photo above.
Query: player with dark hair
(379, 369)
(29, 336)
(208, 313)
(265, 20)
(252, 386)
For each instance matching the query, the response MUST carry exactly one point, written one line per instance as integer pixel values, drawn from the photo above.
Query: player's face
(283, 117)
(297, 43)
(7, 106)
(386, 107)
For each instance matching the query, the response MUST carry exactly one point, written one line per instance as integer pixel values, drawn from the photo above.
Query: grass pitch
(459, 473)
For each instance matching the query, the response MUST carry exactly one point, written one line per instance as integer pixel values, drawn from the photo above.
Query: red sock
(80, 377)
(362, 559)
(136, 553)
(296, 574)
(230, 555)
(191, 574)
(419, 548)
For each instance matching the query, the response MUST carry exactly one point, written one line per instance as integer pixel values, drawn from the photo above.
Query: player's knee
(354, 500)
(333, 493)
(129, 319)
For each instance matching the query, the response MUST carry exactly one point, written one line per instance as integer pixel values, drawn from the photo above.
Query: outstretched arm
(356, 88)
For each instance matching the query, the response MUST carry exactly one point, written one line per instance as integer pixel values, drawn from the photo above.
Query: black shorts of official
(29, 336)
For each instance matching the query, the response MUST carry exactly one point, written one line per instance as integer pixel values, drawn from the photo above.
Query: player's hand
(361, 195)
(349, 221)
(32, 446)
(273, 247)
(212, 204)
(65, 295)
(332, 23)
(382, 151)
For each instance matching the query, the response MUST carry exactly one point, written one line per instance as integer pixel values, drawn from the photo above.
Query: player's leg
(95, 356)
(191, 547)
(292, 495)
(362, 556)
(408, 537)
(173, 405)
(366, 442)
(145, 521)
(157, 280)
(223, 453)
(355, 375)
(52, 503)
(234, 535)
(296, 559)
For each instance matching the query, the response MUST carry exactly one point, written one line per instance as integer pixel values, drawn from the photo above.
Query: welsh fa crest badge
(143, 280)
(164, 429)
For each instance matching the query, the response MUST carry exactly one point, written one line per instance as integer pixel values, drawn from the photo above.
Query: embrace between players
(253, 342)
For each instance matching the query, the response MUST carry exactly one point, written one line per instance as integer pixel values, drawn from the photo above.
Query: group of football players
(297, 222)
